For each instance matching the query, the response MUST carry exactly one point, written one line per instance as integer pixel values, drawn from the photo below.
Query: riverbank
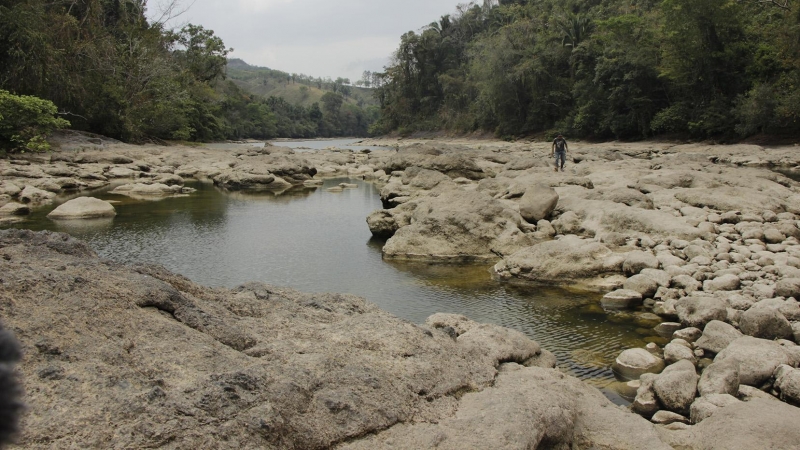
(703, 236)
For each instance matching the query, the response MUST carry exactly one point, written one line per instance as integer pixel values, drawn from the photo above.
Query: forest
(104, 68)
(600, 69)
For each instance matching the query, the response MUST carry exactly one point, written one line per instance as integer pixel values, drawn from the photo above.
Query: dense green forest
(629, 69)
(110, 71)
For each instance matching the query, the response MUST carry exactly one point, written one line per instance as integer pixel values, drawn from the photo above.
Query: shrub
(26, 121)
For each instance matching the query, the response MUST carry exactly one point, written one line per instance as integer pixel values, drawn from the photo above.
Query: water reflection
(318, 241)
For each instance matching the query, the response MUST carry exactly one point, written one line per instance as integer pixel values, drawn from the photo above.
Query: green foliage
(601, 69)
(116, 74)
(26, 121)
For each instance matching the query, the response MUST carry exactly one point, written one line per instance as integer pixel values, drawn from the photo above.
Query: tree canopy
(110, 71)
(626, 69)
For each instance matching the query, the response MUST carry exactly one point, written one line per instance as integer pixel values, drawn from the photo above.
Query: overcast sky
(321, 38)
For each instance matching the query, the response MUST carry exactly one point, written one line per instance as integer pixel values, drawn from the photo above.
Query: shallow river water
(318, 241)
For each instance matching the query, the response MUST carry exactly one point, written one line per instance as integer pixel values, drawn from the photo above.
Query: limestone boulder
(743, 426)
(787, 383)
(538, 203)
(621, 299)
(147, 190)
(636, 261)
(634, 362)
(674, 352)
(698, 311)
(717, 335)
(721, 377)
(83, 208)
(690, 334)
(765, 323)
(676, 387)
(788, 287)
(36, 196)
(458, 225)
(727, 282)
(686, 282)
(14, 209)
(704, 407)
(568, 223)
(565, 259)
(758, 358)
(645, 285)
(646, 404)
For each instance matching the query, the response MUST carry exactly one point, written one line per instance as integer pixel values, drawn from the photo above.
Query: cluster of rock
(33, 180)
(713, 251)
(733, 318)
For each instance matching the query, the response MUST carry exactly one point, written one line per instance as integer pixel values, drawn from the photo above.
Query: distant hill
(294, 88)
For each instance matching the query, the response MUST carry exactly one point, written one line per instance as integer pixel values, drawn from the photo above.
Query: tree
(202, 53)
(26, 121)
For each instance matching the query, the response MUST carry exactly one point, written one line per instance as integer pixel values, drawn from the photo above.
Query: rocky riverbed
(705, 237)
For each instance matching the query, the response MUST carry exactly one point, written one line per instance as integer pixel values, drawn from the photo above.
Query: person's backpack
(560, 145)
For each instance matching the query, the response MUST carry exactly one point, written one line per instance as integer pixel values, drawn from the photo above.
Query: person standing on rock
(560, 148)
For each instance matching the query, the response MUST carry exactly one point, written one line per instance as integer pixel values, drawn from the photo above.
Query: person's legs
(560, 160)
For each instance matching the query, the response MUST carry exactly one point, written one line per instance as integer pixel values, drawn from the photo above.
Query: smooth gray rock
(538, 203)
(457, 225)
(14, 209)
(758, 424)
(83, 208)
(642, 284)
(758, 358)
(698, 311)
(690, 334)
(667, 417)
(35, 196)
(568, 258)
(634, 362)
(667, 329)
(721, 377)
(728, 282)
(676, 352)
(645, 403)
(659, 276)
(765, 323)
(637, 260)
(676, 387)
(717, 335)
(787, 383)
(687, 283)
(788, 287)
(621, 299)
(704, 407)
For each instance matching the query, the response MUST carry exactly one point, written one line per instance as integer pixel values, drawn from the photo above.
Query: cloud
(258, 6)
(316, 37)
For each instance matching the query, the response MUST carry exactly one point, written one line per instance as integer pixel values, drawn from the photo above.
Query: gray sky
(321, 38)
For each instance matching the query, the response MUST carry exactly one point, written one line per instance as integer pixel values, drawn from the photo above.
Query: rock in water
(634, 362)
(83, 208)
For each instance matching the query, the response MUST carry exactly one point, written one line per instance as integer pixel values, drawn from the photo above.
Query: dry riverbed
(703, 236)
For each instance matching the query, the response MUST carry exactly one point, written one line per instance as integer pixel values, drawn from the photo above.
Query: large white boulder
(83, 208)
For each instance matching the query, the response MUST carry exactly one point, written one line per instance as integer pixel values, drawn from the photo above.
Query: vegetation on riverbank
(600, 69)
(111, 72)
